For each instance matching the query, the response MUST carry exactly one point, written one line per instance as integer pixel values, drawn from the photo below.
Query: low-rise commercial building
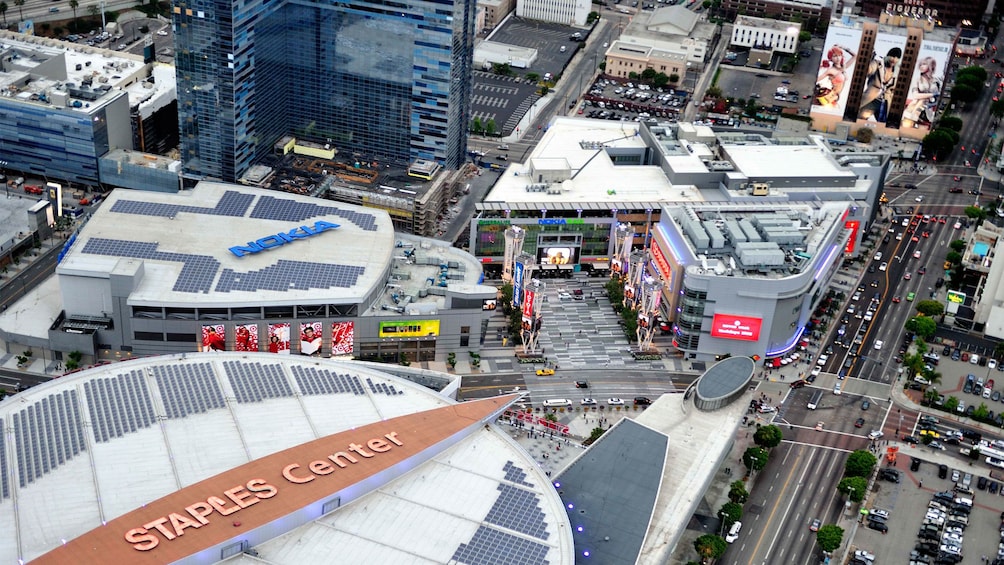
(670, 40)
(765, 34)
(567, 12)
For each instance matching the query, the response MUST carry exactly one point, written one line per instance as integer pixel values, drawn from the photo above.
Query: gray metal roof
(725, 378)
(610, 493)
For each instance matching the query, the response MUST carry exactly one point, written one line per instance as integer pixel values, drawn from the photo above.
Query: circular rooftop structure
(724, 382)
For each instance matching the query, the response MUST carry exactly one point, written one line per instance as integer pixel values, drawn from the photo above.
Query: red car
(895, 300)
(955, 190)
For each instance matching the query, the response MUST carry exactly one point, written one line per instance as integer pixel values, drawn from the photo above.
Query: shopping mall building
(793, 199)
(232, 268)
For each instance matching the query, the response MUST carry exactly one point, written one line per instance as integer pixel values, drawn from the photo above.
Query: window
(150, 336)
(182, 338)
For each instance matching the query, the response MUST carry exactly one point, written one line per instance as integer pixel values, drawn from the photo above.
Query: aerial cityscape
(479, 282)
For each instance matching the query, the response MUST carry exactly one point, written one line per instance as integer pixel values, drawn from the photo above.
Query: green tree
(660, 80)
(490, 127)
(648, 74)
(981, 412)
(954, 257)
(630, 318)
(829, 537)
(19, 4)
(957, 245)
(978, 73)
(767, 436)
(865, 135)
(476, 126)
(964, 93)
(710, 546)
(999, 349)
(853, 487)
(592, 17)
(930, 307)
(3, 11)
(976, 212)
(953, 123)
(593, 436)
(532, 77)
(923, 326)
(859, 464)
(951, 404)
(503, 69)
(997, 108)
(804, 36)
(674, 78)
(713, 92)
(73, 6)
(729, 513)
(939, 142)
(755, 458)
(738, 492)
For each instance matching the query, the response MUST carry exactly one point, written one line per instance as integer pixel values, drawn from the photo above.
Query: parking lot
(614, 100)
(741, 83)
(908, 503)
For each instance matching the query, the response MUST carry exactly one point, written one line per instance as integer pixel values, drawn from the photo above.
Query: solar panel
(254, 383)
(285, 209)
(197, 271)
(232, 203)
(4, 480)
(514, 474)
(47, 434)
(489, 546)
(287, 275)
(518, 510)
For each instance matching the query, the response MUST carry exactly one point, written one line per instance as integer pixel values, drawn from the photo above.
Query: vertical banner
(214, 338)
(925, 88)
(881, 77)
(528, 310)
(310, 338)
(840, 52)
(278, 338)
(517, 284)
(852, 241)
(343, 336)
(247, 338)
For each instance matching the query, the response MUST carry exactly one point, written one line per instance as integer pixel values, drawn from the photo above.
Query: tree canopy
(923, 326)
(755, 458)
(829, 537)
(710, 546)
(768, 436)
(738, 492)
(930, 307)
(730, 512)
(859, 464)
(853, 487)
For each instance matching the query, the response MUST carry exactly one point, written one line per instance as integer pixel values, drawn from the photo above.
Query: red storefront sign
(661, 264)
(727, 326)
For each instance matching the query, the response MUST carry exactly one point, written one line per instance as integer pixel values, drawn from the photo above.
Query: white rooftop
(800, 161)
(123, 443)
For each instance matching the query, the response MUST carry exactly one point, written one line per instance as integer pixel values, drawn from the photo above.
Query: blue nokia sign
(279, 239)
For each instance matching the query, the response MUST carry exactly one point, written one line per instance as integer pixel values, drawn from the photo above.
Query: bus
(817, 397)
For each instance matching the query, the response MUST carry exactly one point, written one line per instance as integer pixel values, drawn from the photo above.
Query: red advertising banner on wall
(661, 264)
(528, 299)
(727, 326)
(852, 241)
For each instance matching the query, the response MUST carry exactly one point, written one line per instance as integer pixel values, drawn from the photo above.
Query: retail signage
(559, 221)
(852, 241)
(661, 264)
(409, 328)
(280, 239)
(728, 326)
(517, 284)
(956, 297)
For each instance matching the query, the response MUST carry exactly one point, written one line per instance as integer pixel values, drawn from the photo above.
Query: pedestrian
(920, 484)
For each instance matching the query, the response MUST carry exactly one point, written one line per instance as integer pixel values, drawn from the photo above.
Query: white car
(822, 359)
(875, 434)
(733, 534)
(919, 198)
(992, 364)
(878, 344)
(587, 402)
(162, 32)
(916, 254)
(836, 388)
(883, 266)
(957, 226)
(815, 372)
(615, 402)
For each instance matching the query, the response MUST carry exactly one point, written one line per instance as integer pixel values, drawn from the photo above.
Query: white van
(817, 397)
(733, 534)
(558, 403)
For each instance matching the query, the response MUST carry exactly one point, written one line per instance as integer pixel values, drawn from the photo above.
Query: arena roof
(202, 457)
(225, 244)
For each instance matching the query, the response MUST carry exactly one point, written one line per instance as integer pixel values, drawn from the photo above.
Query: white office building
(568, 12)
(766, 34)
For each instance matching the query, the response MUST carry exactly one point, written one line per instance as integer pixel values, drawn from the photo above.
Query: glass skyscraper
(381, 80)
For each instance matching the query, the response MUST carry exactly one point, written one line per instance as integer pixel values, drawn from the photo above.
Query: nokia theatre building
(230, 268)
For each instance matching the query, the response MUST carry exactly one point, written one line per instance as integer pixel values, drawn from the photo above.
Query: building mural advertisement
(214, 338)
(343, 337)
(926, 85)
(409, 328)
(728, 326)
(278, 338)
(247, 338)
(882, 68)
(517, 283)
(840, 54)
(310, 338)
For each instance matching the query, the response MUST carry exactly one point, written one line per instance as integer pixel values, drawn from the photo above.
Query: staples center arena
(231, 268)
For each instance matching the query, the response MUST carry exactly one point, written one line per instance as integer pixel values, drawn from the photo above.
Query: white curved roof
(83, 450)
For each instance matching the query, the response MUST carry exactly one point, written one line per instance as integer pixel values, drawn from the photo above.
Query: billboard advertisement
(517, 283)
(728, 326)
(214, 338)
(926, 84)
(528, 303)
(278, 338)
(840, 52)
(956, 297)
(409, 328)
(310, 338)
(343, 338)
(489, 304)
(882, 72)
(558, 255)
(247, 338)
(660, 262)
(852, 241)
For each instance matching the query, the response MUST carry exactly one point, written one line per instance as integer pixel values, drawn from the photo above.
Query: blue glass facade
(389, 81)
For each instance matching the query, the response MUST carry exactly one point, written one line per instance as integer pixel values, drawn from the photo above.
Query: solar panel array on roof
(4, 481)
(273, 208)
(254, 382)
(290, 275)
(47, 434)
(188, 389)
(514, 474)
(518, 510)
(232, 203)
(118, 405)
(382, 388)
(197, 271)
(489, 546)
(313, 382)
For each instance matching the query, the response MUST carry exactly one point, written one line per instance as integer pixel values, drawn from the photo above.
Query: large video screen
(558, 255)
(214, 338)
(247, 338)
(278, 338)
(343, 337)
(310, 338)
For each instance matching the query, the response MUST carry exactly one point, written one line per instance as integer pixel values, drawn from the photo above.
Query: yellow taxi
(545, 372)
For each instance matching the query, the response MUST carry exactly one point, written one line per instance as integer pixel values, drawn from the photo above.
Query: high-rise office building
(387, 81)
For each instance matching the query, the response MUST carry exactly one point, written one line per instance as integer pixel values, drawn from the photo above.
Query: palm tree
(73, 6)
(19, 3)
(3, 11)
